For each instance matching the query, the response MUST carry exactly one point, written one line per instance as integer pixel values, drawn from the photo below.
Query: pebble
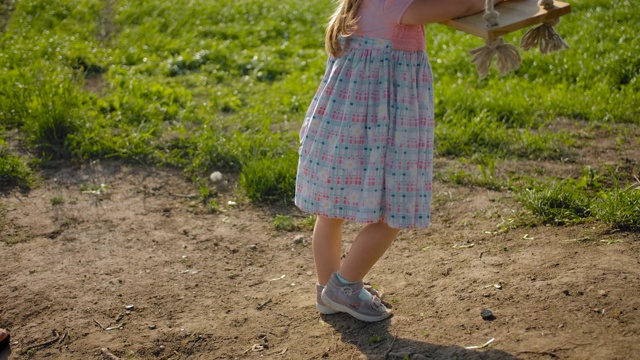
(486, 314)
(215, 176)
(299, 240)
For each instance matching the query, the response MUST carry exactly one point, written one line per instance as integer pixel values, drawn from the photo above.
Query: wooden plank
(514, 15)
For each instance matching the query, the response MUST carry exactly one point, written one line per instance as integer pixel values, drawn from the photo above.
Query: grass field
(223, 86)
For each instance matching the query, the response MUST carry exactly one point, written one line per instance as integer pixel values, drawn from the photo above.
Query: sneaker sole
(355, 314)
(325, 310)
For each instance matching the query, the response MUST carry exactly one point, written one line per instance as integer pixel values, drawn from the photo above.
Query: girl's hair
(343, 23)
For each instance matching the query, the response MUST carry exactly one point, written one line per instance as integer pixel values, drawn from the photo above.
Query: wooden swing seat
(514, 15)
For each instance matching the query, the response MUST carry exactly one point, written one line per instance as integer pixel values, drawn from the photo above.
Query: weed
(13, 170)
(56, 201)
(270, 180)
(374, 339)
(309, 222)
(619, 208)
(518, 220)
(557, 203)
(204, 192)
(462, 177)
(284, 223)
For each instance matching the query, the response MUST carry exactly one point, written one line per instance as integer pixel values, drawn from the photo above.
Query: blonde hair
(343, 23)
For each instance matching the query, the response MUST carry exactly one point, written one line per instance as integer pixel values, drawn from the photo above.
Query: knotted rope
(544, 36)
(508, 58)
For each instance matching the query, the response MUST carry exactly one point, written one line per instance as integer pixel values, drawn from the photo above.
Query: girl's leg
(369, 246)
(327, 247)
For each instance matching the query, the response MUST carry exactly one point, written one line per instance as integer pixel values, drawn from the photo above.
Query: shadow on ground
(375, 341)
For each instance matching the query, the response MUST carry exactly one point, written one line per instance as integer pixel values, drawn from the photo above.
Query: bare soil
(139, 269)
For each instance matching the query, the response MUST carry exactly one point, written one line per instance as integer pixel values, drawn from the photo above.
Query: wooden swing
(512, 15)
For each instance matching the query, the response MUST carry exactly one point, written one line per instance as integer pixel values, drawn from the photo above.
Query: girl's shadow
(376, 342)
(4, 353)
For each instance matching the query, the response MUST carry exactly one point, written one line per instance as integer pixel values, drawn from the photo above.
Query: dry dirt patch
(75, 254)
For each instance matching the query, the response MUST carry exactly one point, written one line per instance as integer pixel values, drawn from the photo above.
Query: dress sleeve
(394, 9)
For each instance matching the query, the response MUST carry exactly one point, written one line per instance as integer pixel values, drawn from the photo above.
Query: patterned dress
(366, 144)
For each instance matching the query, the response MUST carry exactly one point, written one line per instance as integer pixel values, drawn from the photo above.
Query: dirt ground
(138, 269)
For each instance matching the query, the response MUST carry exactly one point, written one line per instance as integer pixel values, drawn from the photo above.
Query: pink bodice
(381, 19)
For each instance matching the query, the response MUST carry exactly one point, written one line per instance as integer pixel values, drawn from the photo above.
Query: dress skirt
(366, 143)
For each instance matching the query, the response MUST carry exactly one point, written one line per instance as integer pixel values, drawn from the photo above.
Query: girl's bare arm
(429, 11)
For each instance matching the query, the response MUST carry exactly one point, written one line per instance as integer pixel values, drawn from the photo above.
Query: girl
(366, 151)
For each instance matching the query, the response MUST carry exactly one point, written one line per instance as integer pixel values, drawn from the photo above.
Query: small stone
(487, 314)
(566, 292)
(129, 307)
(602, 293)
(152, 327)
(215, 176)
(253, 247)
(299, 240)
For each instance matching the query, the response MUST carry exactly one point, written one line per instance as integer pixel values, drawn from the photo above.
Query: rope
(546, 4)
(508, 57)
(544, 36)
(490, 14)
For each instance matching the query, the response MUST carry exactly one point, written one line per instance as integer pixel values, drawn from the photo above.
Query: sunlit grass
(223, 86)
(14, 171)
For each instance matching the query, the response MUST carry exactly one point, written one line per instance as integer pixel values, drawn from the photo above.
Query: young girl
(366, 151)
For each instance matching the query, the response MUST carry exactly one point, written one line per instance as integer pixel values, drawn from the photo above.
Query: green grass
(557, 203)
(270, 179)
(14, 172)
(594, 196)
(284, 223)
(223, 86)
